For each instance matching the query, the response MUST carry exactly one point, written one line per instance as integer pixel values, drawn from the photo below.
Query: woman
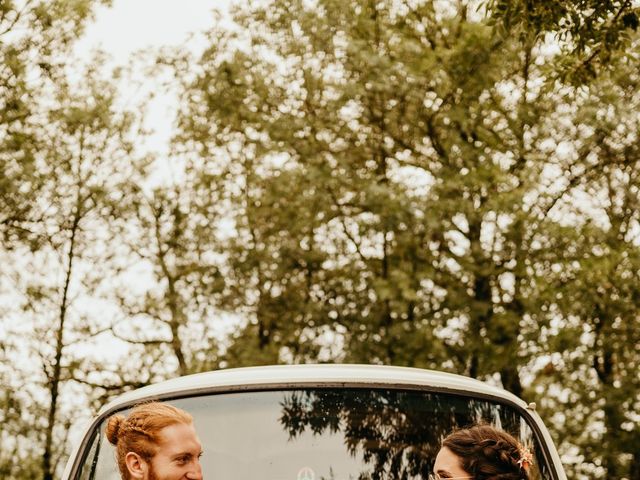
(482, 452)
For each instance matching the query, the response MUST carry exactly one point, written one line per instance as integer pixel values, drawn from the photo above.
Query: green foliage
(36, 35)
(590, 30)
(600, 289)
(171, 230)
(353, 245)
(19, 456)
(391, 188)
(412, 183)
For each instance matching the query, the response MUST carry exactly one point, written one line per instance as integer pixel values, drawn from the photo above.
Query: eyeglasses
(435, 476)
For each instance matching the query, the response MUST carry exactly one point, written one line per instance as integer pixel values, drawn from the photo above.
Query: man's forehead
(179, 437)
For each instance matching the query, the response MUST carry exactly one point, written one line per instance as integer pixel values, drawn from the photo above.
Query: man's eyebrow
(184, 454)
(181, 454)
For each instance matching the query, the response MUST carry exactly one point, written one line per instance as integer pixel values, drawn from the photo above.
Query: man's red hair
(139, 432)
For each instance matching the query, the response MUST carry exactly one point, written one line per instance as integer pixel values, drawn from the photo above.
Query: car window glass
(328, 433)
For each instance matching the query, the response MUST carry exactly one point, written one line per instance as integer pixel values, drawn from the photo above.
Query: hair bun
(114, 426)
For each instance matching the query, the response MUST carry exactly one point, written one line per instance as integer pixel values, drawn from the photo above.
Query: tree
(19, 455)
(397, 434)
(596, 361)
(407, 182)
(35, 36)
(372, 257)
(166, 233)
(83, 150)
(397, 174)
(589, 32)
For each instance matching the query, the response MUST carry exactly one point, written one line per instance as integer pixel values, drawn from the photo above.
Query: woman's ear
(136, 465)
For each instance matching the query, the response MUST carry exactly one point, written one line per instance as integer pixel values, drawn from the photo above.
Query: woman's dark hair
(488, 453)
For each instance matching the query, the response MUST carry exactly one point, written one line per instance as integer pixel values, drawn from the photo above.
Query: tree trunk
(482, 310)
(172, 300)
(55, 378)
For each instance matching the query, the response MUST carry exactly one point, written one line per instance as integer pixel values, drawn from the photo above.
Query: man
(156, 441)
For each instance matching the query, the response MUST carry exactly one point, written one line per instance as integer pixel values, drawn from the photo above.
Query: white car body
(335, 376)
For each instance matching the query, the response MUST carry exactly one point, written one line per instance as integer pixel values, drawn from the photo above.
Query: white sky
(131, 25)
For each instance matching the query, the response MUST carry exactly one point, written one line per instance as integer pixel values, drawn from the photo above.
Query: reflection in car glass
(328, 434)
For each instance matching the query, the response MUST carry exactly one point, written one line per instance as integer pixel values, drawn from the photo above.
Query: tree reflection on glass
(397, 433)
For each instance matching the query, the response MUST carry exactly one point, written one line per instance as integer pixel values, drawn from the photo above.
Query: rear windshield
(326, 434)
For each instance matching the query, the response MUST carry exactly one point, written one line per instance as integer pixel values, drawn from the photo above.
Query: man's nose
(195, 473)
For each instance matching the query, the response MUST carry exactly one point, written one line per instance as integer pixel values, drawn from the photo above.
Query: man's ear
(136, 465)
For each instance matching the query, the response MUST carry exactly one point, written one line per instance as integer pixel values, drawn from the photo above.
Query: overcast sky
(131, 25)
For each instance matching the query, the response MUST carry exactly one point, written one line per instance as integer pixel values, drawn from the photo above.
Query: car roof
(292, 376)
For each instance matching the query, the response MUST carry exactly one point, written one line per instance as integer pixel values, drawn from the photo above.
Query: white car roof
(291, 376)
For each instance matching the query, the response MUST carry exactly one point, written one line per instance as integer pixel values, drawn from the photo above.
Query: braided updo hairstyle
(139, 432)
(488, 453)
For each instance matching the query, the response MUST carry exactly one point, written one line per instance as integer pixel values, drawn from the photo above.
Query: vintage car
(316, 422)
